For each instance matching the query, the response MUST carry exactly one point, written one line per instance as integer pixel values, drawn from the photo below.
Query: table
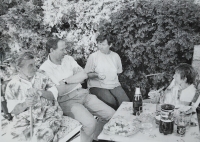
(125, 110)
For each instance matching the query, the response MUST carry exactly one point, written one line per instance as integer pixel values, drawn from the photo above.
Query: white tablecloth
(125, 110)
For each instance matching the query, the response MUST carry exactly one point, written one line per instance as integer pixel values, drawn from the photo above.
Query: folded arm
(19, 108)
(47, 95)
(92, 75)
(31, 100)
(77, 78)
(65, 88)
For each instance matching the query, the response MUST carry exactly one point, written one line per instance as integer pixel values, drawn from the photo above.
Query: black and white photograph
(100, 70)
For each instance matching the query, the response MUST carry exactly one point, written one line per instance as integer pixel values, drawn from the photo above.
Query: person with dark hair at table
(181, 90)
(103, 68)
(75, 102)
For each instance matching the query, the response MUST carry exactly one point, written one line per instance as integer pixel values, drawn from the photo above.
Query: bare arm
(29, 101)
(47, 95)
(77, 78)
(65, 88)
(92, 75)
(19, 108)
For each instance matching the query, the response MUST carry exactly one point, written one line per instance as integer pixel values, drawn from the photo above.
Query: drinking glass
(181, 124)
(188, 120)
(147, 120)
(158, 107)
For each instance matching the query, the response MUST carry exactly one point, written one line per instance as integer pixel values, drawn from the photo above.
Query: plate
(146, 117)
(121, 127)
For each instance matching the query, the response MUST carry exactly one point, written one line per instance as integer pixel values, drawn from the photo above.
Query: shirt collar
(52, 64)
(26, 81)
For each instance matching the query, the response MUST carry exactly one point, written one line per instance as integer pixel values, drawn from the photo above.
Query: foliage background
(151, 36)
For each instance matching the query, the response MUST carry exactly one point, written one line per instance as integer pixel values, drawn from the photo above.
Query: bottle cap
(137, 91)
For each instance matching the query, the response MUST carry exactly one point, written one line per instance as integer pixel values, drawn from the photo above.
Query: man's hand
(30, 101)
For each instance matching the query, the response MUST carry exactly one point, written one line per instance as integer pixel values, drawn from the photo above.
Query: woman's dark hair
(186, 71)
(52, 43)
(103, 37)
(26, 55)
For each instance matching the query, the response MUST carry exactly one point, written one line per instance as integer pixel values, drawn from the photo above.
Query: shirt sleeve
(10, 95)
(90, 65)
(54, 91)
(74, 65)
(50, 86)
(119, 64)
(196, 104)
(49, 74)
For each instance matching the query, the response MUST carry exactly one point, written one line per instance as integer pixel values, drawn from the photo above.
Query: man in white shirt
(75, 101)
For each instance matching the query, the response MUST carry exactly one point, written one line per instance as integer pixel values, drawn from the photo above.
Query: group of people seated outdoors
(54, 91)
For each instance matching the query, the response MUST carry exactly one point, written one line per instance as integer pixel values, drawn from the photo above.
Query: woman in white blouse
(103, 68)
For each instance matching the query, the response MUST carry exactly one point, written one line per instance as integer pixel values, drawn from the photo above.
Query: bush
(26, 25)
(21, 28)
(150, 36)
(153, 37)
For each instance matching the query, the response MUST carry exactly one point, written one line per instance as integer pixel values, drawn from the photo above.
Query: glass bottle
(137, 101)
(158, 111)
(198, 115)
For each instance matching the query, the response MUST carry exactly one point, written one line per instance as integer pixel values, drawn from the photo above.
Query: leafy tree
(153, 37)
(150, 36)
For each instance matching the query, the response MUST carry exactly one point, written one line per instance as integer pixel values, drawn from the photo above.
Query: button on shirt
(59, 72)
